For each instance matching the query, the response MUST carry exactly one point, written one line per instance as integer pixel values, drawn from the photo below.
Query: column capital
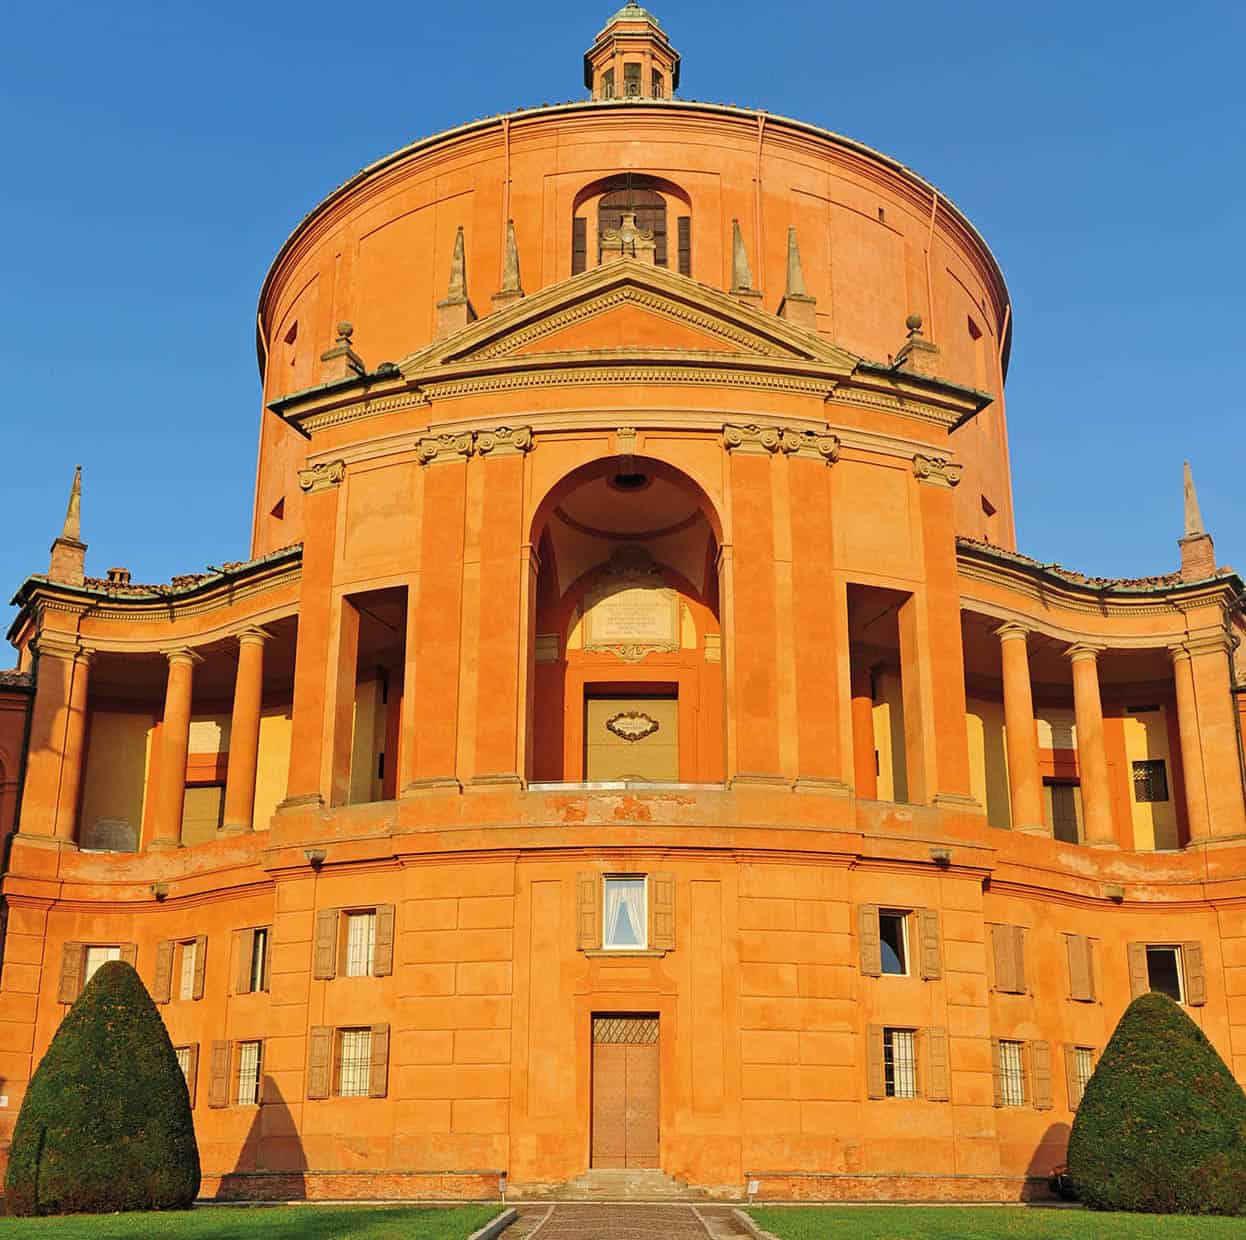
(60, 646)
(1216, 642)
(1179, 652)
(183, 654)
(936, 470)
(321, 476)
(253, 636)
(1012, 630)
(1081, 652)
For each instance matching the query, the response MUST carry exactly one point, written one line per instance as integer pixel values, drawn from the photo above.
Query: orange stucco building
(636, 740)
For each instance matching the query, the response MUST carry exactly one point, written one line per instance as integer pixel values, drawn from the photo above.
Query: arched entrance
(628, 673)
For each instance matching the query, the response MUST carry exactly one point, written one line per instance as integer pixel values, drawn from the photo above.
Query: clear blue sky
(156, 156)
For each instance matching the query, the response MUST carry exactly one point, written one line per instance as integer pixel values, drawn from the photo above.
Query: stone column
(73, 759)
(1212, 676)
(170, 790)
(1092, 758)
(1025, 785)
(1191, 745)
(244, 733)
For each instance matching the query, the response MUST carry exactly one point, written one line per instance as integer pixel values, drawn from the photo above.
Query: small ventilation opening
(293, 334)
(975, 332)
(630, 482)
(882, 215)
(278, 510)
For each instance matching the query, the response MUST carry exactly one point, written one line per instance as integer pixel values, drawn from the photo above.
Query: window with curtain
(259, 955)
(96, 956)
(625, 913)
(186, 975)
(360, 943)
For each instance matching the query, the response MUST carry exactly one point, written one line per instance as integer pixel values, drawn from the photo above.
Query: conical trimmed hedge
(1162, 1125)
(106, 1122)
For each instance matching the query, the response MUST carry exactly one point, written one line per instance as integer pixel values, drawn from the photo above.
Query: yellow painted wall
(116, 770)
(1154, 822)
(273, 765)
(988, 760)
(893, 783)
(368, 742)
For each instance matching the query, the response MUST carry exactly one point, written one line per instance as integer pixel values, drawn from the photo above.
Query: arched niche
(628, 674)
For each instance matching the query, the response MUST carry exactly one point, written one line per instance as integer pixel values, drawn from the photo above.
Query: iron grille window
(1163, 966)
(684, 241)
(1083, 1067)
(579, 245)
(1150, 780)
(893, 939)
(354, 1062)
(96, 956)
(186, 975)
(259, 957)
(1064, 812)
(248, 1083)
(360, 943)
(1012, 1074)
(631, 81)
(900, 1063)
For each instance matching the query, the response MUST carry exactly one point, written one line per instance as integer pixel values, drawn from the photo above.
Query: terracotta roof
(1159, 581)
(15, 680)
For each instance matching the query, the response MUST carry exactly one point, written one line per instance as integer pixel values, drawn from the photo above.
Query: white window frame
(359, 1083)
(903, 1083)
(606, 880)
(112, 951)
(1179, 958)
(903, 915)
(1083, 1057)
(1013, 1089)
(251, 1083)
(360, 957)
(188, 949)
(183, 1061)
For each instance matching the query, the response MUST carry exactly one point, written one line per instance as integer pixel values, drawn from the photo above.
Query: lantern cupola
(632, 58)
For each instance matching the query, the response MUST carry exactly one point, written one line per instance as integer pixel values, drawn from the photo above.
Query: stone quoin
(635, 740)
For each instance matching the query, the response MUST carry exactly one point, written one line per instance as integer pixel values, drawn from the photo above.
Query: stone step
(614, 1184)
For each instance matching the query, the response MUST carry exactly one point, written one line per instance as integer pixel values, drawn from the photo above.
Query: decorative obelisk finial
(456, 311)
(741, 273)
(797, 306)
(1198, 552)
(69, 553)
(512, 284)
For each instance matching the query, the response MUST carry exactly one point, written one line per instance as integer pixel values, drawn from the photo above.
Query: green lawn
(984, 1223)
(263, 1222)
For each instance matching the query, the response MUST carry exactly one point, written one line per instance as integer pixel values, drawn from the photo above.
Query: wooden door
(625, 1091)
(631, 738)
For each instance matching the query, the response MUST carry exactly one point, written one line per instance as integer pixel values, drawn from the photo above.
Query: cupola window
(607, 84)
(631, 80)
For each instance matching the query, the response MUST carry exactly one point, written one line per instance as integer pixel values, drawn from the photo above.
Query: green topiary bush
(106, 1123)
(1162, 1125)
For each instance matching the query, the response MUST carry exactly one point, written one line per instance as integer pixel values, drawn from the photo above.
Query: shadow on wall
(271, 1163)
(1051, 1151)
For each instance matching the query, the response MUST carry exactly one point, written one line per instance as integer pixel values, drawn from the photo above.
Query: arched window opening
(634, 216)
(649, 208)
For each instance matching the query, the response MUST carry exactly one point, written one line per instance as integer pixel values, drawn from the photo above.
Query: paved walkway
(615, 1221)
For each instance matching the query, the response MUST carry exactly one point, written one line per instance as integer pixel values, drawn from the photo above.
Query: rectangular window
(1083, 1067)
(625, 913)
(683, 230)
(579, 245)
(186, 971)
(96, 956)
(354, 1062)
(1150, 780)
(1163, 966)
(360, 943)
(1064, 811)
(247, 1093)
(607, 84)
(900, 1063)
(259, 958)
(631, 81)
(183, 1060)
(893, 935)
(1012, 1074)
(658, 92)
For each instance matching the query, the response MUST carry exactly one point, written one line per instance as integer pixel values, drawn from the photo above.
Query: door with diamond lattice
(625, 1091)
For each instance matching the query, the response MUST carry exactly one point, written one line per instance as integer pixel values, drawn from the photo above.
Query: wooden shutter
(662, 912)
(378, 1078)
(201, 966)
(1139, 978)
(266, 970)
(869, 942)
(997, 1074)
(1195, 974)
(192, 1070)
(1071, 1081)
(319, 1061)
(244, 941)
(1040, 1070)
(938, 1074)
(1081, 967)
(579, 245)
(326, 944)
(588, 910)
(1007, 944)
(163, 987)
(383, 944)
(129, 953)
(875, 1078)
(928, 941)
(73, 956)
(683, 227)
(218, 1077)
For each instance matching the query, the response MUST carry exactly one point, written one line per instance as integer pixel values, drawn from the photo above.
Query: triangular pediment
(625, 310)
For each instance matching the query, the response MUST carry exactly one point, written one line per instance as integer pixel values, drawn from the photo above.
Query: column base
(309, 800)
(827, 787)
(1035, 828)
(163, 845)
(959, 802)
(417, 787)
(44, 841)
(759, 781)
(234, 828)
(502, 779)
